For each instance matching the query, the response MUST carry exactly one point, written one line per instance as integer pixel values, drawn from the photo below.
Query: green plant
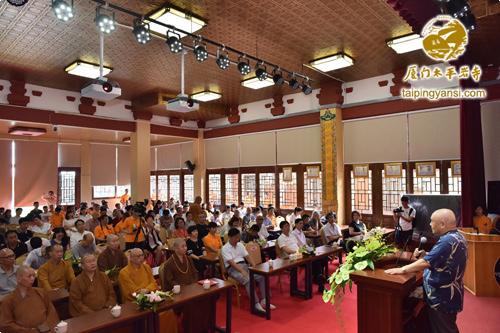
(364, 255)
(112, 270)
(307, 251)
(151, 300)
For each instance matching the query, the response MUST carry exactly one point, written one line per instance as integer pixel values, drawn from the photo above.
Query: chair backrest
(226, 238)
(323, 238)
(222, 267)
(121, 237)
(36, 234)
(21, 259)
(287, 218)
(171, 243)
(278, 250)
(127, 253)
(253, 250)
(12, 226)
(163, 235)
(102, 246)
(170, 233)
(160, 273)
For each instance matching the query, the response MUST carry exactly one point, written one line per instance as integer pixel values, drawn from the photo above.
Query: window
(232, 189)
(267, 189)
(175, 187)
(104, 192)
(426, 185)
(67, 187)
(361, 193)
(288, 192)
(189, 188)
(454, 184)
(392, 190)
(163, 188)
(312, 191)
(248, 190)
(152, 185)
(214, 192)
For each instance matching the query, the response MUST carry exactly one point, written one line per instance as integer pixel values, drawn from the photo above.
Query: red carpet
(293, 314)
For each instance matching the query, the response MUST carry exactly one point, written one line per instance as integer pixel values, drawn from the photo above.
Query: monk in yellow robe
(91, 290)
(27, 309)
(55, 273)
(137, 277)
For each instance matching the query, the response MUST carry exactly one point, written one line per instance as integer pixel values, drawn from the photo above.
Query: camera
(398, 210)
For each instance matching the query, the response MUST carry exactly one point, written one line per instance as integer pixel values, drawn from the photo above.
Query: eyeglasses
(9, 257)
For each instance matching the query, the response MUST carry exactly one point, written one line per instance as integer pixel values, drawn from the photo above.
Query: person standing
(444, 269)
(404, 219)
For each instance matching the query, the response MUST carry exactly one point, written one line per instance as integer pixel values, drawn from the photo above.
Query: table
(194, 292)
(269, 245)
(275, 231)
(279, 265)
(103, 321)
(60, 299)
(211, 259)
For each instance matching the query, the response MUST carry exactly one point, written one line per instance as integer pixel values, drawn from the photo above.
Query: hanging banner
(328, 120)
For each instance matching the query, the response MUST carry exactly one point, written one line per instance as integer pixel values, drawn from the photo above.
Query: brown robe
(52, 276)
(196, 317)
(22, 314)
(108, 260)
(87, 296)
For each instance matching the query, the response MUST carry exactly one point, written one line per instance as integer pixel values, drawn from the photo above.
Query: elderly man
(91, 290)
(93, 222)
(8, 270)
(112, 257)
(80, 232)
(12, 243)
(56, 273)
(331, 230)
(27, 309)
(444, 269)
(85, 246)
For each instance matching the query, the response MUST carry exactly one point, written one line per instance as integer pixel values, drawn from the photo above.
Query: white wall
(490, 113)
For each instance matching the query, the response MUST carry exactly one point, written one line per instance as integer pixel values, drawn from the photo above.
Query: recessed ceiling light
(406, 43)
(176, 18)
(255, 83)
(206, 96)
(332, 62)
(86, 69)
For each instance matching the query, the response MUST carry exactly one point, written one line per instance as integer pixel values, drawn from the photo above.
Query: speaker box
(494, 197)
(190, 166)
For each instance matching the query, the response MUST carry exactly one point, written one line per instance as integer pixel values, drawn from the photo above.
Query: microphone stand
(406, 243)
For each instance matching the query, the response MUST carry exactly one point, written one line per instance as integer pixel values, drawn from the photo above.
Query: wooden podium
(381, 297)
(483, 254)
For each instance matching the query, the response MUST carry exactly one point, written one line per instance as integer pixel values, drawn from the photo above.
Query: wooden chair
(229, 279)
(171, 243)
(127, 253)
(102, 246)
(324, 242)
(12, 226)
(21, 259)
(226, 238)
(160, 273)
(163, 235)
(170, 233)
(36, 234)
(254, 252)
(121, 237)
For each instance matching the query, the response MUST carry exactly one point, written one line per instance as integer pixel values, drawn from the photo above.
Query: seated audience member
(103, 230)
(40, 227)
(92, 223)
(216, 218)
(298, 233)
(117, 217)
(272, 216)
(286, 242)
(34, 211)
(196, 249)
(226, 216)
(153, 242)
(248, 217)
(69, 221)
(263, 232)
(8, 270)
(166, 219)
(179, 270)
(85, 246)
(202, 225)
(15, 219)
(268, 223)
(132, 227)
(23, 233)
(45, 216)
(38, 256)
(212, 241)
(189, 220)
(297, 212)
(17, 315)
(84, 214)
(12, 243)
(242, 209)
(56, 219)
(250, 234)
(315, 221)
(180, 229)
(45, 243)
(79, 233)
(357, 229)
(235, 258)
(60, 237)
(481, 222)
(307, 227)
(90, 291)
(112, 257)
(55, 273)
(331, 230)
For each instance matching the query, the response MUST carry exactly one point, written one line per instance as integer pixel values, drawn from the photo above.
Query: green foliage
(307, 251)
(150, 301)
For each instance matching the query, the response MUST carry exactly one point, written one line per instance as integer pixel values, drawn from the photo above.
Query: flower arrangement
(307, 251)
(151, 300)
(364, 255)
(262, 242)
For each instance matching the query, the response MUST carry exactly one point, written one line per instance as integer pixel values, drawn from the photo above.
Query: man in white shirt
(242, 209)
(298, 233)
(331, 230)
(234, 255)
(226, 216)
(40, 227)
(80, 232)
(286, 242)
(46, 214)
(404, 217)
(263, 233)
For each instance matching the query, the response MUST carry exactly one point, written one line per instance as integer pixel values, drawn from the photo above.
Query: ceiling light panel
(206, 96)
(405, 44)
(86, 69)
(255, 83)
(332, 62)
(176, 18)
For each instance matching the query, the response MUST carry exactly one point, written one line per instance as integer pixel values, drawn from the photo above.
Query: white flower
(134, 294)
(354, 248)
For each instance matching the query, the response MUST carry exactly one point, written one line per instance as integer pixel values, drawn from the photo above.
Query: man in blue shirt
(444, 268)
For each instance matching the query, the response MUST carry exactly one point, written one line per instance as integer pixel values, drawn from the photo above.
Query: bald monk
(112, 257)
(444, 269)
(55, 273)
(137, 277)
(27, 309)
(91, 290)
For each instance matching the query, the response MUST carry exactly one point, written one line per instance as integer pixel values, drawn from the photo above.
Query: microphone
(423, 240)
(404, 247)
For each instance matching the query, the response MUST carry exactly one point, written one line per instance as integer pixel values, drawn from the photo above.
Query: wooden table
(269, 245)
(275, 231)
(60, 299)
(211, 259)
(103, 321)
(279, 265)
(193, 293)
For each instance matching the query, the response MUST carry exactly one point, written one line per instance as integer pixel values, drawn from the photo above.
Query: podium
(483, 254)
(382, 297)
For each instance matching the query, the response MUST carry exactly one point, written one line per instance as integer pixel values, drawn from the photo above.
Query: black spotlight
(261, 73)
(306, 88)
(293, 83)
(18, 3)
(104, 22)
(278, 77)
(63, 11)
(174, 41)
(244, 66)
(141, 32)
(457, 8)
(190, 102)
(107, 87)
(222, 60)
(200, 51)
(469, 21)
